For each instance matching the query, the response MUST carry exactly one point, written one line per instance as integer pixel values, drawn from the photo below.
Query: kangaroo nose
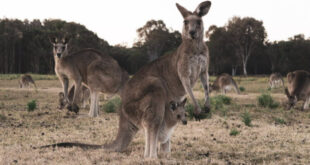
(184, 122)
(192, 33)
(58, 55)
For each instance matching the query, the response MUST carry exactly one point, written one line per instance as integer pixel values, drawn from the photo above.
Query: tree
(156, 39)
(245, 34)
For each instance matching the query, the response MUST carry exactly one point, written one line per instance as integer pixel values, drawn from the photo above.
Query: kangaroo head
(59, 46)
(193, 24)
(291, 99)
(178, 111)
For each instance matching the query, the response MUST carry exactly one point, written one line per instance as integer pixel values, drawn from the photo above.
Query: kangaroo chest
(165, 133)
(197, 64)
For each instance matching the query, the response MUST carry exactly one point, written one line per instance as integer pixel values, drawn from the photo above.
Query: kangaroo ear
(203, 8)
(53, 40)
(65, 40)
(173, 105)
(183, 11)
(183, 102)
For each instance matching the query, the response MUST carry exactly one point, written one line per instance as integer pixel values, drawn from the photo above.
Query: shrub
(265, 100)
(279, 121)
(234, 132)
(218, 101)
(241, 88)
(112, 105)
(31, 106)
(246, 118)
(189, 108)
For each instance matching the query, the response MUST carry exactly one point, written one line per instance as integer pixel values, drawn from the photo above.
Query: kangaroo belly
(198, 64)
(165, 134)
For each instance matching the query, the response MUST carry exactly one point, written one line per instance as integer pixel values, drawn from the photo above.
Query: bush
(112, 105)
(219, 101)
(266, 101)
(241, 88)
(189, 108)
(246, 118)
(279, 121)
(234, 132)
(31, 106)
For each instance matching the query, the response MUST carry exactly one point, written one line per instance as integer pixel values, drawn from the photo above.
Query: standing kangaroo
(25, 80)
(224, 82)
(275, 80)
(83, 97)
(169, 77)
(298, 88)
(99, 72)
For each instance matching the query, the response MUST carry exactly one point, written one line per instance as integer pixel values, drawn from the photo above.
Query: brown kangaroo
(25, 80)
(83, 97)
(169, 77)
(99, 72)
(298, 88)
(275, 80)
(224, 82)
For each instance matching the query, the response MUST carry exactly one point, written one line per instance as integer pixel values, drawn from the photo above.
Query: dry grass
(207, 141)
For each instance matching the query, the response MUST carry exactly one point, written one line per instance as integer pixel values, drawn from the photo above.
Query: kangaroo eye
(185, 22)
(199, 22)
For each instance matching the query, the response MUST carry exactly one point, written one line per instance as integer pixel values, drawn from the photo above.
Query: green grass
(189, 108)
(265, 100)
(279, 121)
(246, 118)
(242, 89)
(234, 132)
(112, 105)
(31, 106)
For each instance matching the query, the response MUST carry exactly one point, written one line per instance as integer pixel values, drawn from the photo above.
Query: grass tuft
(112, 105)
(234, 132)
(242, 89)
(266, 101)
(31, 106)
(279, 121)
(246, 118)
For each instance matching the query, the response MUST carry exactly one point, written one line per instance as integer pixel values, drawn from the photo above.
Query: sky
(116, 21)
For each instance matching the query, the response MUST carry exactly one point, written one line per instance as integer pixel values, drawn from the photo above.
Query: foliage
(241, 88)
(234, 132)
(31, 106)
(112, 105)
(246, 118)
(266, 101)
(189, 108)
(279, 121)
(219, 101)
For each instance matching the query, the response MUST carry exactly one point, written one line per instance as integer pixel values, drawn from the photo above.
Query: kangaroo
(298, 88)
(224, 82)
(25, 80)
(169, 77)
(83, 97)
(97, 71)
(174, 113)
(275, 80)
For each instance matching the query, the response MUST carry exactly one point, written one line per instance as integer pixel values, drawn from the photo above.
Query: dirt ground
(275, 136)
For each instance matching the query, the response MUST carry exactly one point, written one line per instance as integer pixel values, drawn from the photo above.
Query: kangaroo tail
(69, 144)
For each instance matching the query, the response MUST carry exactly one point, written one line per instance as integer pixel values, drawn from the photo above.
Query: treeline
(240, 47)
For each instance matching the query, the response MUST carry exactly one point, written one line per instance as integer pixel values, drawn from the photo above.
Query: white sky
(116, 21)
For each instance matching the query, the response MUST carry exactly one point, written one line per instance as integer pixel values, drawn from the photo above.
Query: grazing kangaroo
(298, 88)
(25, 80)
(224, 82)
(83, 97)
(276, 80)
(169, 77)
(99, 72)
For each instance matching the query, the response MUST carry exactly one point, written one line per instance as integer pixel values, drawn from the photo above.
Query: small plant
(234, 132)
(189, 108)
(279, 121)
(241, 88)
(265, 100)
(32, 105)
(218, 101)
(112, 105)
(2, 117)
(246, 118)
